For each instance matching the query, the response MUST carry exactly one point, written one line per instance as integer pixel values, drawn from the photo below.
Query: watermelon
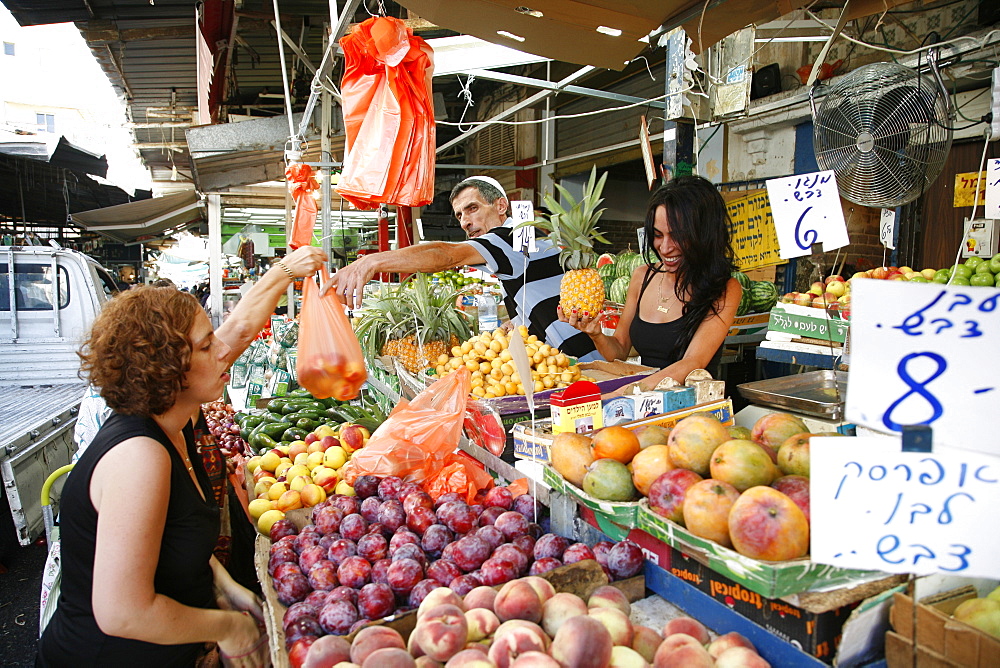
(744, 280)
(746, 303)
(607, 280)
(763, 296)
(625, 263)
(619, 289)
(607, 271)
(605, 259)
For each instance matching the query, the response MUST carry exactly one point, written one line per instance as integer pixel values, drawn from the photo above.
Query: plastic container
(486, 304)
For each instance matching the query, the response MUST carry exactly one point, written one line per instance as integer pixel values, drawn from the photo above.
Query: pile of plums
(382, 551)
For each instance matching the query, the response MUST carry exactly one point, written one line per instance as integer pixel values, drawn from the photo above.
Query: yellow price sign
(965, 189)
(754, 239)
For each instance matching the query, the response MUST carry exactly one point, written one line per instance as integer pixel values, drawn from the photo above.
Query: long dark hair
(699, 225)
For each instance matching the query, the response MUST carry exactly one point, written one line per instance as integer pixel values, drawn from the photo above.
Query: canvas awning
(144, 220)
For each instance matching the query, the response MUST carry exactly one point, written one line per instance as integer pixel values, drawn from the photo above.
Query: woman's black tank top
(183, 573)
(656, 342)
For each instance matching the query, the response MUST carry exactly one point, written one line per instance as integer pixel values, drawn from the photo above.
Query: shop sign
(755, 242)
(966, 187)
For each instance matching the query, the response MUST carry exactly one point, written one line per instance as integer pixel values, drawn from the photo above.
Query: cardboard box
(925, 635)
(620, 512)
(748, 328)
(807, 322)
(577, 409)
(772, 579)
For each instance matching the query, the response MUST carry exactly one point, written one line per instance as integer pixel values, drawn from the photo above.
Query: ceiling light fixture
(614, 32)
(528, 11)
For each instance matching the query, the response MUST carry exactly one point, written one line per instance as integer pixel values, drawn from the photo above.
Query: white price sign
(887, 228)
(523, 211)
(926, 354)
(806, 210)
(877, 507)
(992, 208)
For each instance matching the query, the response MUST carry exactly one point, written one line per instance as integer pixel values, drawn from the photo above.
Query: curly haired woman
(680, 307)
(140, 585)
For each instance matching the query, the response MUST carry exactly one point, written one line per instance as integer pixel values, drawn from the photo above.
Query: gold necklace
(660, 307)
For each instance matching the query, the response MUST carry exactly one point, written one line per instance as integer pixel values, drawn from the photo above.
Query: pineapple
(574, 230)
(415, 321)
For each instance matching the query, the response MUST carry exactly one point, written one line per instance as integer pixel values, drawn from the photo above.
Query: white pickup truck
(56, 293)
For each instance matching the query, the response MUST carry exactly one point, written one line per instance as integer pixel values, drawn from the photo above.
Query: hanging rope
(284, 71)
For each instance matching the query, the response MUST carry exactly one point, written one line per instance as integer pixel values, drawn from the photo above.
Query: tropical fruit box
(771, 579)
(748, 328)
(533, 441)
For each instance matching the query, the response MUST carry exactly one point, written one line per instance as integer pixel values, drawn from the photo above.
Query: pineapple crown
(573, 228)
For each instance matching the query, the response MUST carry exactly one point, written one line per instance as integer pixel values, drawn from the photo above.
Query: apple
(817, 288)
(803, 298)
(788, 297)
(896, 276)
(928, 273)
(880, 273)
(819, 302)
(861, 274)
(910, 274)
(836, 288)
(904, 269)
(835, 277)
(995, 264)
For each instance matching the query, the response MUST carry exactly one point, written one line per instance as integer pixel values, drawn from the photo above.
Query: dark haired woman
(140, 586)
(679, 308)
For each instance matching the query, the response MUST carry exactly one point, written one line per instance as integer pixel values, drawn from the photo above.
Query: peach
(686, 656)
(522, 624)
(482, 623)
(514, 642)
(327, 479)
(559, 608)
(439, 596)
(290, 500)
(373, 638)
(688, 626)
(413, 648)
(312, 494)
(542, 587)
(518, 600)
(582, 642)
(346, 664)
(607, 596)
(740, 657)
(645, 641)
(481, 597)
(617, 624)
(626, 657)
(297, 448)
(327, 651)
(535, 660)
(469, 658)
(390, 657)
(262, 486)
(441, 632)
(724, 642)
(428, 662)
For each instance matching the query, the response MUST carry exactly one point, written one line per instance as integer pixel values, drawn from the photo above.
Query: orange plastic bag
(301, 185)
(388, 116)
(416, 441)
(464, 475)
(330, 362)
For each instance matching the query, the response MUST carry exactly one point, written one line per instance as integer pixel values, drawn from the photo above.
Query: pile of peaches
(528, 624)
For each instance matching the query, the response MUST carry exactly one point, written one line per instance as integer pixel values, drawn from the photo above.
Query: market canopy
(147, 219)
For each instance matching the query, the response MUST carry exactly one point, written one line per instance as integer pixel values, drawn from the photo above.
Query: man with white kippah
(483, 210)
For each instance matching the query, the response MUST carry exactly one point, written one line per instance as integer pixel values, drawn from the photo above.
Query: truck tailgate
(36, 438)
(23, 408)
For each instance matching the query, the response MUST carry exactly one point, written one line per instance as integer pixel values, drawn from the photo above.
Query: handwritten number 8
(806, 239)
(918, 388)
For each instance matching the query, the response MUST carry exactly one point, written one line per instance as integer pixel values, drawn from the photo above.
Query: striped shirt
(539, 291)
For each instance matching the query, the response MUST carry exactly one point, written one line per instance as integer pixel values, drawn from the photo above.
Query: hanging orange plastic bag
(301, 185)
(330, 362)
(415, 442)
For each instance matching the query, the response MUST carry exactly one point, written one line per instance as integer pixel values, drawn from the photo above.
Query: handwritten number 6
(806, 239)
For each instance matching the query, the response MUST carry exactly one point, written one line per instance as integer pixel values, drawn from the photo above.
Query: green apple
(961, 270)
(941, 276)
(958, 280)
(984, 268)
(995, 264)
(982, 280)
(917, 278)
(973, 262)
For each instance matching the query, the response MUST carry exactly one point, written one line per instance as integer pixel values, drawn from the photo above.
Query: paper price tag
(523, 211)
(887, 228)
(519, 355)
(876, 507)
(992, 209)
(806, 210)
(926, 354)
(640, 234)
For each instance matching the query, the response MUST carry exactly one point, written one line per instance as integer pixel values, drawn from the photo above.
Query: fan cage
(883, 131)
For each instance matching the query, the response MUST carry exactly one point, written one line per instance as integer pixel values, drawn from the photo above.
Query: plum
(550, 545)
(420, 592)
(410, 551)
(281, 570)
(391, 514)
(373, 547)
(624, 560)
(389, 487)
(420, 519)
(435, 539)
(323, 576)
(443, 571)
(544, 565)
(348, 504)
(470, 552)
(343, 593)
(292, 588)
(340, 550)
(577, 552)
(282, 528)
(328, 520)
(354, 572)
(403, 575)
(366, 486)
(499, 497)
(512, 525)
(353, 527)
(369, 509)
(309, 558)
(337, 617)
(463, 584)
(376, 601)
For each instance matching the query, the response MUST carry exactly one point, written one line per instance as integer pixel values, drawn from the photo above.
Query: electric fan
(884, 130)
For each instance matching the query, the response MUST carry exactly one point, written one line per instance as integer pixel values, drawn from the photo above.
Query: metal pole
(326, 190)
(215, 257)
